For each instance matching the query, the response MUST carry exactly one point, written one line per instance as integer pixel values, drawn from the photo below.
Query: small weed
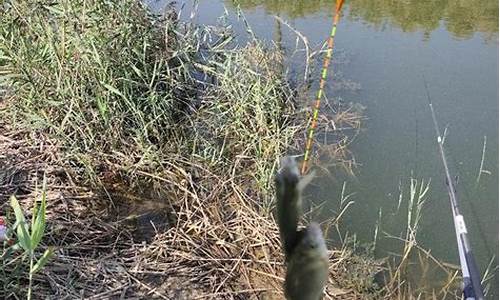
(28, 236)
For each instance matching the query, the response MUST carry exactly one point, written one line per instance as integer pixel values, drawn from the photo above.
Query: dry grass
(130, 122)
(219, 246)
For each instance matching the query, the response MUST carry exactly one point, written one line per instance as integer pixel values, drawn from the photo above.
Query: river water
(391, 46)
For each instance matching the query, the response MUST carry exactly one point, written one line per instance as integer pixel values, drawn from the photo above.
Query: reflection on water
(461, 18)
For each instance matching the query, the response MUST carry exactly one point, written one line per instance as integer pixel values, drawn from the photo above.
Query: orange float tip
(339, 5)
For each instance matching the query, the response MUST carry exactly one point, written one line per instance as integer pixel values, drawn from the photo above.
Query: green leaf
(20, 225)
(113, 90)
(54, 9)
(17, 209)
(101, 105)
(43, 260)
(136, 70)
(33, 215)
(38, 226)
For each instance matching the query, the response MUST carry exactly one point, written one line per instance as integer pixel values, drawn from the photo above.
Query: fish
(289, 186)
(307, 270)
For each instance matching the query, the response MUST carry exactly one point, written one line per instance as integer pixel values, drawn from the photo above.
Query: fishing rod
(324, 71)
(472, 288)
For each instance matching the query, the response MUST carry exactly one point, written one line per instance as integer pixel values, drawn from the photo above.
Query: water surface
(391, 47)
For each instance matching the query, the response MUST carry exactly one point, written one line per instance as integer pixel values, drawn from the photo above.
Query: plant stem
(31, 275)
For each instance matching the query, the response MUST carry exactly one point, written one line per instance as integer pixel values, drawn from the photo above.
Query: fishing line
(319, 96)
(472, 288)
(467, 197)
(475, 215)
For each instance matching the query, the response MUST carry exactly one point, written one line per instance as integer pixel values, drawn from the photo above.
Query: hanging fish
(289, 187)
(307, 269)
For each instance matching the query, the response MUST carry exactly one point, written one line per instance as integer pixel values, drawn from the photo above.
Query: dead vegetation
(126, 124)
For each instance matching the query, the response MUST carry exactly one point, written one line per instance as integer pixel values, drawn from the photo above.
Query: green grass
(26, 237)
(123, 90)
(98, 74)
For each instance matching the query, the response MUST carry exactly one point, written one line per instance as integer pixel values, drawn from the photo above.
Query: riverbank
(159, 140)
